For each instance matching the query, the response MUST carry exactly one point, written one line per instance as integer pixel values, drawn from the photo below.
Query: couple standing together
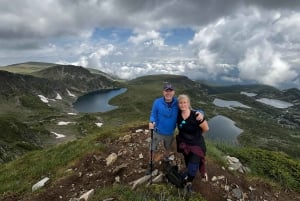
(167, 113)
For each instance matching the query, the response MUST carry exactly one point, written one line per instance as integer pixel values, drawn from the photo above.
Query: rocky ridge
(124, 162)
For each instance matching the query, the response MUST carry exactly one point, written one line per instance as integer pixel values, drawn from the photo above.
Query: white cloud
(207, 60)
(94, 58)
(255, 45)
(208, 34)
(148, 38)
(142, 37)
(263, 64)
(229, 35)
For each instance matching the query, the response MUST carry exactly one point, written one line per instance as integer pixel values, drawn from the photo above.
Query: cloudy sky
(232, 41)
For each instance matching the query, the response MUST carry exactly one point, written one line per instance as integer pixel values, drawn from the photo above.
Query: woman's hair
(185, 97)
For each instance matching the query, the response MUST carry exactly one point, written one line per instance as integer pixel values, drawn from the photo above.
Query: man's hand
(151, 125)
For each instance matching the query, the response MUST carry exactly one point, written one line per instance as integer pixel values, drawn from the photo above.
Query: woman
(190, 140)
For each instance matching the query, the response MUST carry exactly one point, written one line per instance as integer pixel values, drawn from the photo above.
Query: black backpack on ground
(173, 175)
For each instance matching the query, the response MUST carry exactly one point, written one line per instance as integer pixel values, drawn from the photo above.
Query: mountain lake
(223, 130)
(97, 101)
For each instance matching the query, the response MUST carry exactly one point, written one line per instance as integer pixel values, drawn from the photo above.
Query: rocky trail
(125, 160)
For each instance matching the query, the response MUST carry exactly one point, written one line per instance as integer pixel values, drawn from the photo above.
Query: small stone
(109, 199)
(87, 196)
(111, 159)
(237, 193)
(220, 177)
(214, 178)
(117, 179)
(40, 184)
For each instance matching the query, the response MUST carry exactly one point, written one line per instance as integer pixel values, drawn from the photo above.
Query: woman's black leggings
(192, 162)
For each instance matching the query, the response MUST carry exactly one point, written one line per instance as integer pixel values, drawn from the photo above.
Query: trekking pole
(151, 156)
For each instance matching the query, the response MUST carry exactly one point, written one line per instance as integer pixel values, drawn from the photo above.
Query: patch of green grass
(154, 192)
(21, 70)
(19, 175)
(275, 166)
(26, 68)
(17, 138)
(214, 153)
(86, 124)
(33, 102)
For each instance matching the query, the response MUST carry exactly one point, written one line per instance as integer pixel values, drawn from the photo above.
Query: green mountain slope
(76, 78)
(29, 120)
(26, 68)
(19, 99)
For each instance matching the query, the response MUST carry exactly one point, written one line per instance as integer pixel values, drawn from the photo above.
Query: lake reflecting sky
(222, 129)
(97, 101)
(275, 103)
(248, 94)
(229, 104)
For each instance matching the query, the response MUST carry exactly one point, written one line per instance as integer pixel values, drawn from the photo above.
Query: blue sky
(229, 41)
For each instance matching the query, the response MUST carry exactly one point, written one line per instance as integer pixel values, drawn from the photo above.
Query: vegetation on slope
(273, 165)
(134, 108)
(19, 175)
(17, 138)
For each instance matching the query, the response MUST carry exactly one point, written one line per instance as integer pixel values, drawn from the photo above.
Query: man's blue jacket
(164, 115)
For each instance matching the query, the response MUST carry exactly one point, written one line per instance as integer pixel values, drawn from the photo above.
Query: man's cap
(168, 86)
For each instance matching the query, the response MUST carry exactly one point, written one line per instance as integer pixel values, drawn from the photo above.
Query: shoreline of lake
(97, 101)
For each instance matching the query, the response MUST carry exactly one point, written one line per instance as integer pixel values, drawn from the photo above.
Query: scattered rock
(40, 184)
(143, 179)
(119, 168)
(127, 162)
(117, 179)
(109, 199)
(215, 178)
(237, 193)
(87, 196)
(158, 178)
(126, 138)
(97, 158)
(111, 159)
(234, 164)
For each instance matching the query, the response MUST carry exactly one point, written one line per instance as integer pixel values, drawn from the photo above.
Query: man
(163, 119)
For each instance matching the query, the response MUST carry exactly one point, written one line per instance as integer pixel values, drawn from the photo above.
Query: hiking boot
(204, 178)
(184, 176)
(188, 188)
(149, 169)
(166, 159)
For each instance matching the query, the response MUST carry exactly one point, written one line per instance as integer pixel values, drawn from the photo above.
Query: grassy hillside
(264, 126)
(136, 103)
(26, 68)
(18, 176)
(261, 130)
(19, 99)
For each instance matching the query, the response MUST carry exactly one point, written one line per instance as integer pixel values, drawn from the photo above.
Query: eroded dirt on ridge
(91, 172)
